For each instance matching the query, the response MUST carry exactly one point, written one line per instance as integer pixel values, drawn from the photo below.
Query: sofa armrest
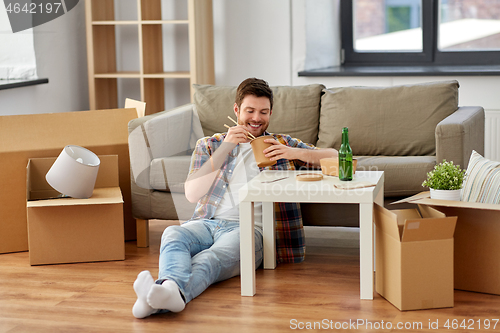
(164, 134)
(134, 123)
(460, 133)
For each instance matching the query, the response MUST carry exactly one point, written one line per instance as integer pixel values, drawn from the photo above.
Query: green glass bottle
(345, 157)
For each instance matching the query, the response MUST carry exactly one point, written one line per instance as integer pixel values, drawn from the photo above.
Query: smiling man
(206, 248)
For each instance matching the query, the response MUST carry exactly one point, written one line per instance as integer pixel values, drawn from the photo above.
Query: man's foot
(166, 296)
(142, 286)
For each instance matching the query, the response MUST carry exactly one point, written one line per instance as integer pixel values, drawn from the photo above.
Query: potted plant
(445, 181)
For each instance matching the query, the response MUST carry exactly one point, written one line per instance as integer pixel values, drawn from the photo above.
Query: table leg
(247, 249)
(142, 227)
(379, 199)
(366, 250)
(380, 196)
(269, 237)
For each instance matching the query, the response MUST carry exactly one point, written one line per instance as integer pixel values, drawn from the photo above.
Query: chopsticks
(249, 134)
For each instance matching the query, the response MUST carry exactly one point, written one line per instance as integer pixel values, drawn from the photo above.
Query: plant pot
(445, 194)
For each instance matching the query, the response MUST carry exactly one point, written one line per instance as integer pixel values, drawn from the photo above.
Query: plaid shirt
(290, 242)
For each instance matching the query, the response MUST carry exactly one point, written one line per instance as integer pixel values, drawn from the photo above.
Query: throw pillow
(390, 121)
(295, 111)
(213, 104)
(482, 180)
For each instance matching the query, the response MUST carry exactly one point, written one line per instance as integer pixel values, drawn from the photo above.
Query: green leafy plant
(445, 176)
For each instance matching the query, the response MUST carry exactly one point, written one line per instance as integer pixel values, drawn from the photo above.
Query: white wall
(252, 39)
(61, 56)
(17, 61)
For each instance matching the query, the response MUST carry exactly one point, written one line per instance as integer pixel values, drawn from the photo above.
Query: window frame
(430, 54)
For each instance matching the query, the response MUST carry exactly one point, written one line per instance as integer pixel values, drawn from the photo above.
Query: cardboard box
(414, 257)
(477, 242)
(68, 230)
(105, 132)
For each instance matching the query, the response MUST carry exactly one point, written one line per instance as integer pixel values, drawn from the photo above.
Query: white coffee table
(263, 189)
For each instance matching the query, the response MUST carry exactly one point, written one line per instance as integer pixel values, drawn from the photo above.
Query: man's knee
(172, 233)
(171, 230)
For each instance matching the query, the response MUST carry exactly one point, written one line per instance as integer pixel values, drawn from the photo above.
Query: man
(206, 249)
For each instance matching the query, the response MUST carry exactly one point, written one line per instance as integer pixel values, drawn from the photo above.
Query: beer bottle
(345, 157)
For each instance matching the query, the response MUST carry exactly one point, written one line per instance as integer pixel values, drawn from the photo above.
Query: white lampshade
(74, 172)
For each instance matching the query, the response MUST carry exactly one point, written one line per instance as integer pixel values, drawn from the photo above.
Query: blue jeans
(199, 253)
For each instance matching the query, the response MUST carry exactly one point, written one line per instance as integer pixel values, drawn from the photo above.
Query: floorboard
(319, 293)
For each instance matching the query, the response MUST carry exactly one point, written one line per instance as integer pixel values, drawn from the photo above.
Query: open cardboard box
(68, 230)
(477, 241)
(44, 135)
(414, 257)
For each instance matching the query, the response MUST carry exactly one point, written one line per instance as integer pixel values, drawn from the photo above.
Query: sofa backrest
(390, 121)
(296, 109)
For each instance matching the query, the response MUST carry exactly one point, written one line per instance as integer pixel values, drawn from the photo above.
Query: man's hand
(237, 134)
(278, 151)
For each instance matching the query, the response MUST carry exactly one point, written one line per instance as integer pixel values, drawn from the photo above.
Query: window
(17, 54)
(417, 32)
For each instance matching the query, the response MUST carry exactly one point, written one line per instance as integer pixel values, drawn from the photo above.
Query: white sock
(166, 296)
(142, 286)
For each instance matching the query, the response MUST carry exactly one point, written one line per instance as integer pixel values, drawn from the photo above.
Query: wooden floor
(322, 291)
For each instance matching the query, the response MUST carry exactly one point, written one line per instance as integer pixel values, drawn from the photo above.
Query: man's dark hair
(256, 87)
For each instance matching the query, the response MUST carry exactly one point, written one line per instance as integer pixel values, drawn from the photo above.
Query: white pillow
(482, 182)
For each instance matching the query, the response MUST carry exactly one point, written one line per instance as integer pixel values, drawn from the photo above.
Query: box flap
(415, 197)
(108, 172)
(425, 229)
(457, 204)
(423, 198)
(403, 215)
(43, 195)
(35, 174)
(386, 221)
(28, 181)
(406, 214)
(428, 212)
(101, 196)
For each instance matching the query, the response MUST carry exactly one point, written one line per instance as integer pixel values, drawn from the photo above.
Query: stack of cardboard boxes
(422, 255)
(25, 137)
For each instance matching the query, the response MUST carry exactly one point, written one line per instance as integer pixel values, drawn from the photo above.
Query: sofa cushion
(391, 121)
(295, 111)
(169, 173)
(403, 175)
(214, 104)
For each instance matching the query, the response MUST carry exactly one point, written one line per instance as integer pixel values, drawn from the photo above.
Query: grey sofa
(402, 130)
